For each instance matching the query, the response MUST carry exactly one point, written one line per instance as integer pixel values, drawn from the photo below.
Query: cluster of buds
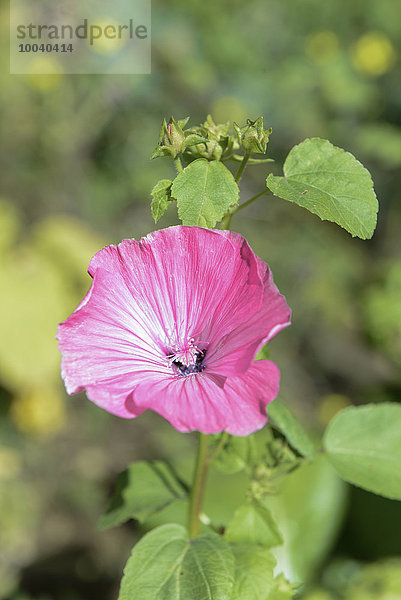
(210, 140)
(252, 137)
(220, 144)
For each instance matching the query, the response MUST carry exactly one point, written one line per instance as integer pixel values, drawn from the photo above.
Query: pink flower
(173, 323)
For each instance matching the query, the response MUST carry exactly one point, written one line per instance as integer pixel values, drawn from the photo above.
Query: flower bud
(252, 137)
(218, 143)
(174, 140)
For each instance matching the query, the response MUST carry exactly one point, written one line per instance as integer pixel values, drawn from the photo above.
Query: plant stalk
(198, 485)
(248, 202)
(226, 221)
(178, 164)
(242, 167)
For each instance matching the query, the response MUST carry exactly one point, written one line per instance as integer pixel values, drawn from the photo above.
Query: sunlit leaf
(204, 192)
(330, 183)
(166, 565)
(364, 446)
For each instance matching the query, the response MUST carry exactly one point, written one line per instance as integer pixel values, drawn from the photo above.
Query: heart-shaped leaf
(330, 183)
(166, 565)
(204, 192)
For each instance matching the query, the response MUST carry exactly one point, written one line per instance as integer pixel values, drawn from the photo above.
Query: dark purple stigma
(195, 367)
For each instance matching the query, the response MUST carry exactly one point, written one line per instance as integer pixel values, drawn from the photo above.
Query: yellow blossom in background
(373, 54)
(330, 406)
(107, 43)
(322, 46)
(41, 281)
(40, 411)
(46, 73)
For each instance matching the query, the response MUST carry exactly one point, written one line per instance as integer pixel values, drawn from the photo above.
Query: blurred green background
(76, 175)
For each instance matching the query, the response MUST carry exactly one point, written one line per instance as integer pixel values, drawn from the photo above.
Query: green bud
(217, 142)
(252, 137)
(173, 140)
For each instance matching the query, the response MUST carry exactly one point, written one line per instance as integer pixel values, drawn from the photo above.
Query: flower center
(187, 360)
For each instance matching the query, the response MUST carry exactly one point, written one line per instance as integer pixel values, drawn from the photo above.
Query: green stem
(242, 167)
(248, 202)
(226, 221)
(219, 446)
(198, 486)
(178, 165)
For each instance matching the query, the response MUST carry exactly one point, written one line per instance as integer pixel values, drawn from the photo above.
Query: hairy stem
(178, 164)
(242, 167)
(198, 485)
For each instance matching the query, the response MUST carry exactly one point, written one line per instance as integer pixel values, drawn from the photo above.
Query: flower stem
(198, 486)
(248, 202)
(242, 167)
(220, 446)
(226, 221)
(178, 164)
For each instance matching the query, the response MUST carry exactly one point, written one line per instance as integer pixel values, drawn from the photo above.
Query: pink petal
(237, 350)
(115, 396)
(105, 341)
(198, 403)
(190, 279)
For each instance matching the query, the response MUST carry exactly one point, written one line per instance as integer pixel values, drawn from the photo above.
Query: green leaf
(330, 183)
(253, 524)
(204, 192)
(160, 198)
(236, 454)
(253, 572)
(308, 511)
(166, 565)
(144, 489)
(364, 446)
(287, 423)
(282, 589)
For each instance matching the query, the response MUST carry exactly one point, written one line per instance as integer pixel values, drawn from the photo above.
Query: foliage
(364, 446)
(289, 426)
(166, 564)
(330, 183)
(204, 191)
(143, 490)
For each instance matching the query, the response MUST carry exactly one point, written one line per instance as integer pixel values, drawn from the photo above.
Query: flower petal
(235, 352)
(115, 396)
(188, 280)
(198, 403)
(106, 339)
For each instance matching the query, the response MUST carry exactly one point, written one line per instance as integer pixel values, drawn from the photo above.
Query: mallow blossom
(173, 323)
